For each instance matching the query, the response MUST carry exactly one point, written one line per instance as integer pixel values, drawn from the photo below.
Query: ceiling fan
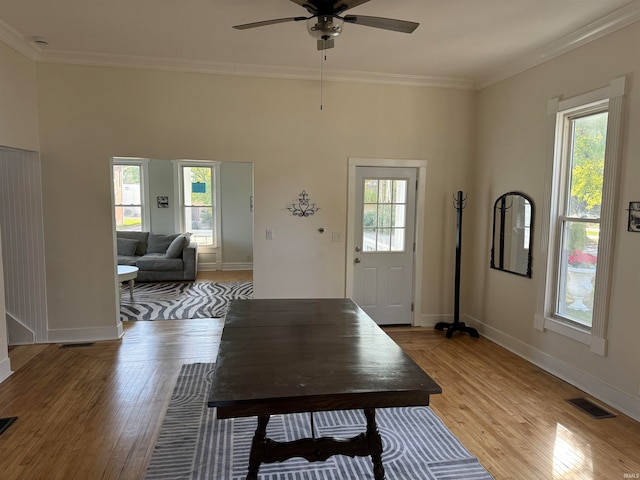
(326, 20)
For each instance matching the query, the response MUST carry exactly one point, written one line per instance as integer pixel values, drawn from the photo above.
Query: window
(383, 219)
(581, 161)
(578, 220)
(129, 193)
(198, 194)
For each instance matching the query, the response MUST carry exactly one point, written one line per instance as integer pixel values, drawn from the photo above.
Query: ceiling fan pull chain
(323, 58)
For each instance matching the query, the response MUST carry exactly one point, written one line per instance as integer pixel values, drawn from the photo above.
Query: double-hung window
(130, 194)
(582, 161)
(198, 193)
(578, 220)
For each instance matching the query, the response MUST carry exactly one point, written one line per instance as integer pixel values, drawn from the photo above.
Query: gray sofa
(159, 258)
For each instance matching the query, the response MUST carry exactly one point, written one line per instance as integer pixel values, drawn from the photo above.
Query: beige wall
(512, 137)
(18, 101)
(90, 114)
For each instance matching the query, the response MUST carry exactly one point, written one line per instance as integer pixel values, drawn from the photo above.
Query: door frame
(421, 167)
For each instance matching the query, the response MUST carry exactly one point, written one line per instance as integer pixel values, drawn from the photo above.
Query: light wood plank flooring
(223, 276)
(94, 412)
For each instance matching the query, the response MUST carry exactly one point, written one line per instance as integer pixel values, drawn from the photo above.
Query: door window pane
(384, 215)
(385, 191)
(369, 240)
(370, 218)
(400, 191)
(398, 216)
(384, 240)
(371, 191)
(397, 239)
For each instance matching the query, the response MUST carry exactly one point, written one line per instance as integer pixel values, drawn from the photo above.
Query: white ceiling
(459, 43)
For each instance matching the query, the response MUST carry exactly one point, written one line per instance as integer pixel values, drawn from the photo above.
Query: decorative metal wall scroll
(304, 207)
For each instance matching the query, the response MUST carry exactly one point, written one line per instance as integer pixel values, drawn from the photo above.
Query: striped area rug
(179, 301)
(194, 445)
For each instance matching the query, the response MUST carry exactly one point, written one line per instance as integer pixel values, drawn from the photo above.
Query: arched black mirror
(512, 234)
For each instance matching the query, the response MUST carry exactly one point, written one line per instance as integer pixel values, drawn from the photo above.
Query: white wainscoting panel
(23, 241)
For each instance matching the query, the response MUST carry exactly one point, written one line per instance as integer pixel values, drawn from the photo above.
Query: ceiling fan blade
(340, 6)
(380, 22)
(308, 5)
(268, 22)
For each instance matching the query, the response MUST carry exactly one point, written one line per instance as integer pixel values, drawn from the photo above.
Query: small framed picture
(163, 202)
(634, 217)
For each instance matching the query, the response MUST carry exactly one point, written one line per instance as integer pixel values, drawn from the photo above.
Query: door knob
(357, 249)
(357, 260)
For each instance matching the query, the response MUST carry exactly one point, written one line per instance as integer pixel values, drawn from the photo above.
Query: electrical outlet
(336, 236)
(269, 234)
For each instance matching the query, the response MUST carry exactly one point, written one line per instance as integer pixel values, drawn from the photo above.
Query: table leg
(131, 283)
(375, 443)
(257, 446)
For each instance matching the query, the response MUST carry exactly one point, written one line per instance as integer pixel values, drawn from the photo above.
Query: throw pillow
(140, 237)
(127, 246)
(159, 243)
(176, 247)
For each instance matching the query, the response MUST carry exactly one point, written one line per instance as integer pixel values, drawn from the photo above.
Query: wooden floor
(94, 412)
(225, 276)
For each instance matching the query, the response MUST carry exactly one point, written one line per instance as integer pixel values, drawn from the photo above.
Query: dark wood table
(291, 356)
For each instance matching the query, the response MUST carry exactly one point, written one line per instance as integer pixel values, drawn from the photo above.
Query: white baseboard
(430, 320)
(120, 329)
(212, 267)
(207, 267)
(77, 335)
(237, 266)
(624, 402)
(5, 369)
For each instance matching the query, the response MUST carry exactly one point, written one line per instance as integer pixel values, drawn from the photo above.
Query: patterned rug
(194, 445)
(178, 301)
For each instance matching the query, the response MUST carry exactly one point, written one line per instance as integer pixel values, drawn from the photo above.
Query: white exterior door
(383, 249)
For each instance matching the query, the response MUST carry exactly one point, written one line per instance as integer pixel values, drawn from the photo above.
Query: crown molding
(616, 20)
(11, 37)
(236, 69)
(14, 39)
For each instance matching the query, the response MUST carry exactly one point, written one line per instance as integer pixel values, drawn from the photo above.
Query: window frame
(565, 121)
(179, 166)
(145, 212)
(556, 165)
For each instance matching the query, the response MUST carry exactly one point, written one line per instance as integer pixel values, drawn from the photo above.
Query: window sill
(575, 333)
(207, 248)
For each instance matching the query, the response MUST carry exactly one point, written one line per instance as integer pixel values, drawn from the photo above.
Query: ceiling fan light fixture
(324, 27)
(326, 20)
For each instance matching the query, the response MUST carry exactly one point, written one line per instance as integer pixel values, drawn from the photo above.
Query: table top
(126, 270)
(287, 356)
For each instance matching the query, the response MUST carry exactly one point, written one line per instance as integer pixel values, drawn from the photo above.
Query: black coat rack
(457, 326)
